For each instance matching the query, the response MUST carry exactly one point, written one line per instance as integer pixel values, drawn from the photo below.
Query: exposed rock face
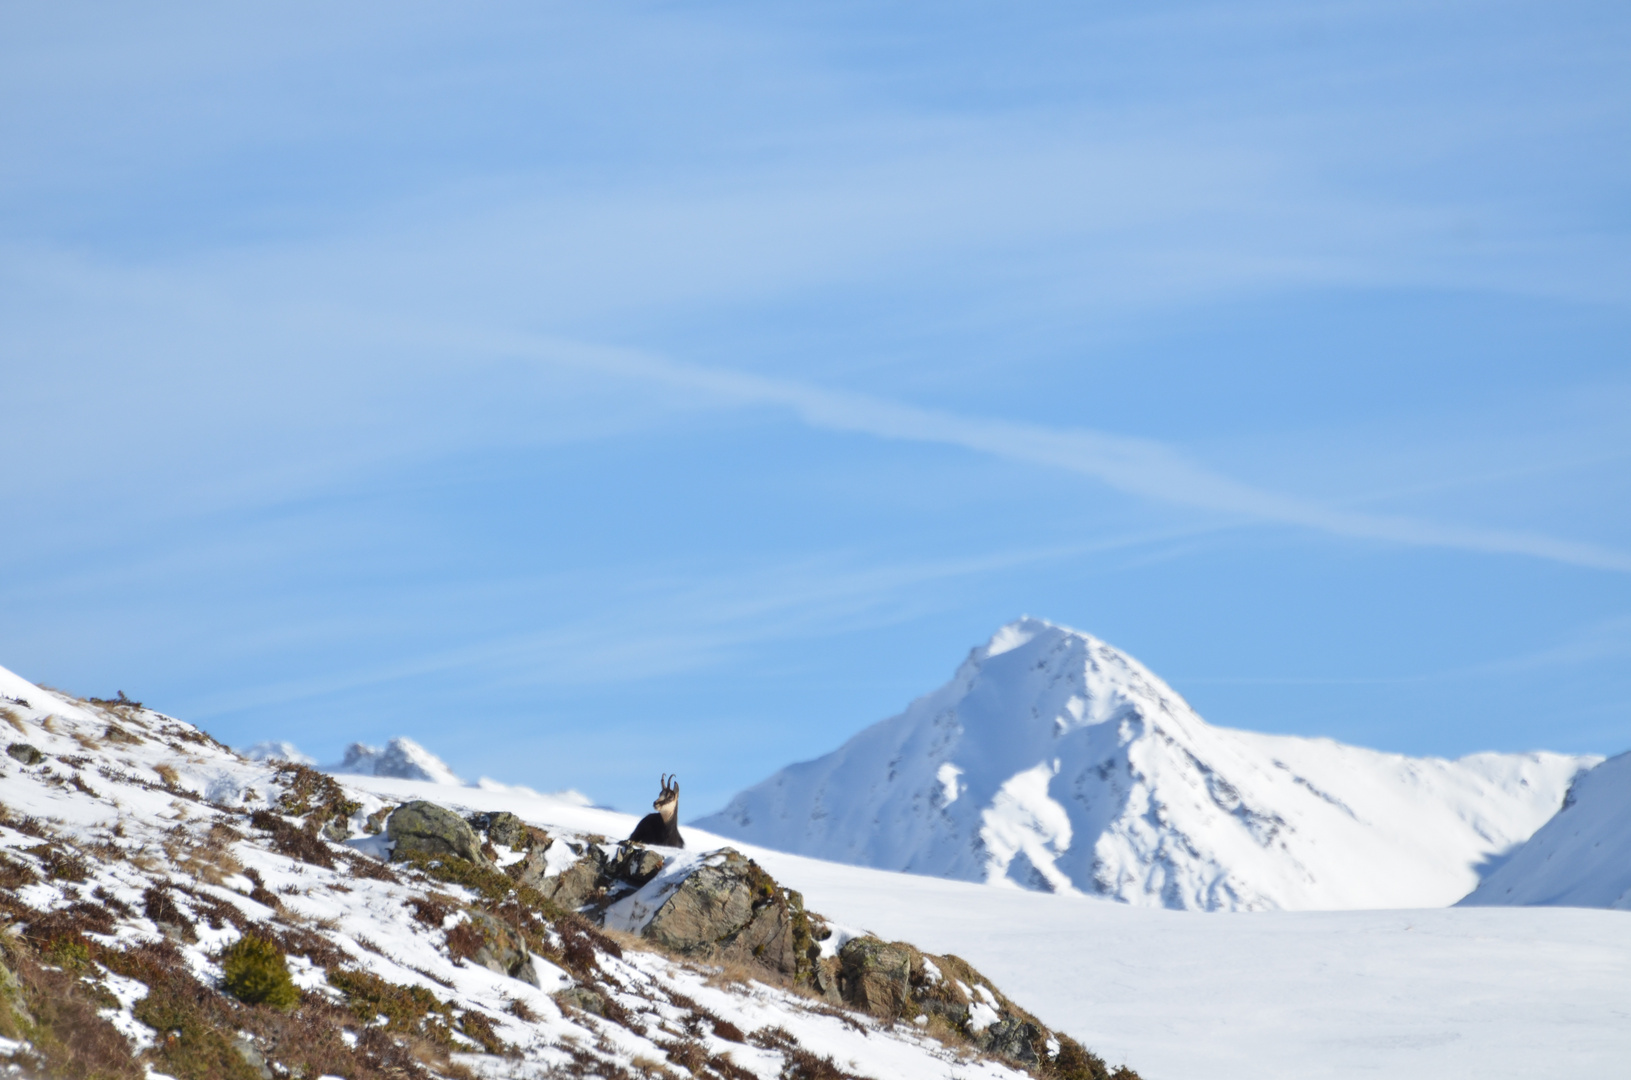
(733, 910)
(1013, 1038)
(894, 981)
(503, 828)
(423, 828)
(634, 865)
(594, 875)
(876, 976)
(502, 950)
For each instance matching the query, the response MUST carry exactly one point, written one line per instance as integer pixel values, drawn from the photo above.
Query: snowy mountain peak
(401, 758)
(1055, 761)
(277, 750)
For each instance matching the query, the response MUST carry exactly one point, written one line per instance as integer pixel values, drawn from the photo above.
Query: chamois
(662, 828)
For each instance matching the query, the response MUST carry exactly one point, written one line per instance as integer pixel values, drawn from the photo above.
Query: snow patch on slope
(1580, 858)
(1053, 761)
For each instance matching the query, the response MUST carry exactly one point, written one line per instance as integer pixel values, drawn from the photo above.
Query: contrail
(1142, 467)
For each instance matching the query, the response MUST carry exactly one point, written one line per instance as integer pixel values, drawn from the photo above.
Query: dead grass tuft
(207, 858)
(302, 844)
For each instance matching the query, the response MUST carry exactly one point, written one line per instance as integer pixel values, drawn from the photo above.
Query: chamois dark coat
(663, 827)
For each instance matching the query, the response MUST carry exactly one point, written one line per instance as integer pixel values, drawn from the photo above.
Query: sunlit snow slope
(1499, 994)
(1582, 857)
(1054, 761)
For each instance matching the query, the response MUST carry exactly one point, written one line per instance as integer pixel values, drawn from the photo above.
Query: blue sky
(594, 391)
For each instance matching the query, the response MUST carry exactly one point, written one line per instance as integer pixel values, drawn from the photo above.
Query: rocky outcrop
(875, 976)
(729, 909)
(425, 829)
(594, 876)
(503, 828)
(894, 981)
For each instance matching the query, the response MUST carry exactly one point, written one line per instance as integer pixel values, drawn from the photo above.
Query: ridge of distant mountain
(401, 758)
(1581, 857)
(1054, 761)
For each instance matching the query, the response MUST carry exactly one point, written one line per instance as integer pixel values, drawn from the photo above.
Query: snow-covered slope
(1496, 993)
(1580, 858)
(136, 853)
(1053, 761)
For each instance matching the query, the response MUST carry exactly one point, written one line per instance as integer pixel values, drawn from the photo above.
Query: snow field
(1179, 995)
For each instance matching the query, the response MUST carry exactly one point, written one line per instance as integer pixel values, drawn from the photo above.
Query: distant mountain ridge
(1054, 761)
(401, 758)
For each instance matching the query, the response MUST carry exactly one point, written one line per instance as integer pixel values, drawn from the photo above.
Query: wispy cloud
(1142, 467)
(663, 626)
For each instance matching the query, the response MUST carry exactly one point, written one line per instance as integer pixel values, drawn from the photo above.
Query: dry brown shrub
(259, 893)
(801, 1064)
(62, 1022)
(465, 941)
(14, 875)
(432, 910)
(302, 844)
(12, 717)
(167, 773)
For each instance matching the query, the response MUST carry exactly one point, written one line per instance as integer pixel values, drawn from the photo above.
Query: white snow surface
(1580, 858)
(133, 780)
(1179, 995)
(402, 758)
(1502, 992)
(1053, 761)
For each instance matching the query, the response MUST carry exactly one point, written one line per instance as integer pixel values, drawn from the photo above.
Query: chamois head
(669, 800)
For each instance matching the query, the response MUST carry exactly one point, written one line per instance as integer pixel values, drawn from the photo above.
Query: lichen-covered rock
(577, 884)
(423, 828)
(502, 950)
(713, 904)
(876, 976)
(27, 753)
(504, 828)
(731, 909)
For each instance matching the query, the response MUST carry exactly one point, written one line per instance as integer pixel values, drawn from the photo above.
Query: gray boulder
(26, 753)
(1014, 1038)
(503, 827)
(573, 887)
(593, 876)
(423, 828)
(733, 910)
(875, 976)
(633, 865)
